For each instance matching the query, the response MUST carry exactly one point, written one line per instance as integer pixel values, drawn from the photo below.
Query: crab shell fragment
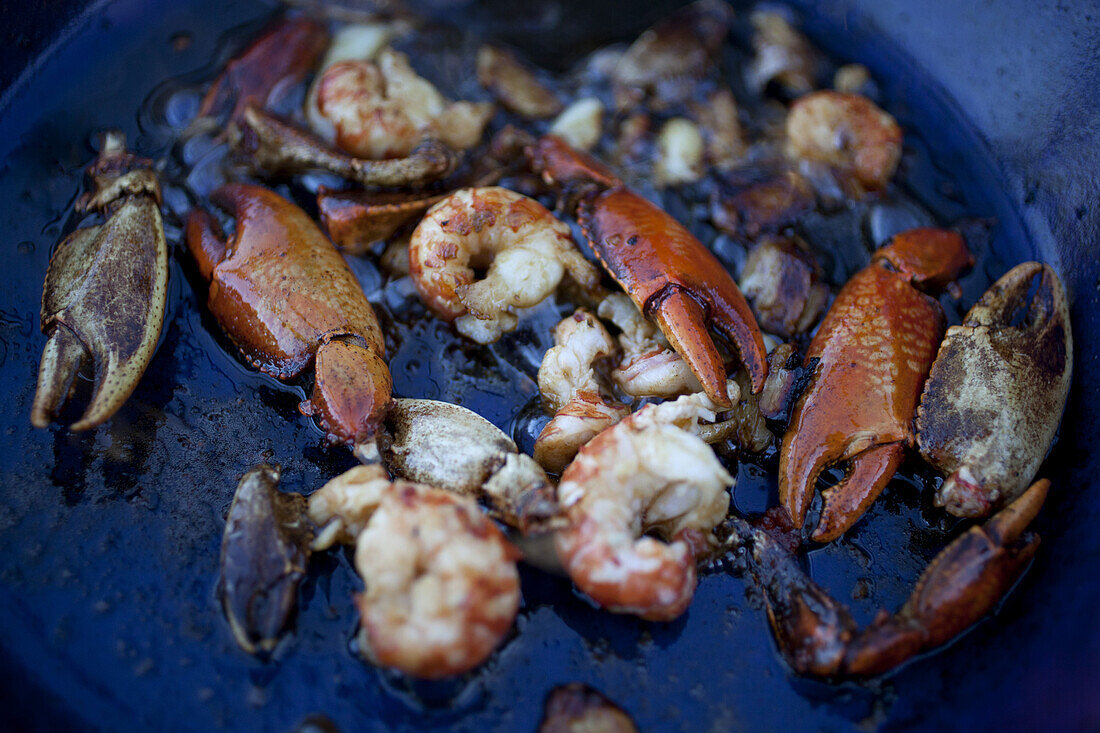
(452, 448)
(993, 401)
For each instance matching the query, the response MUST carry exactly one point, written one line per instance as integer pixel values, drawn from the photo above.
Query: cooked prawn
(382, 109)
(569, 386)
(442, 585)
(848, 132)
(648, 473)
(526, 250)
(344, 505)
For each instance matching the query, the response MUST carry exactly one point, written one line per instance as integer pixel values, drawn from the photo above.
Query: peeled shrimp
(442, 587)
(649, 367)
(569, 386)
(382, 109)
(649, 473)
(526, 250)
(848, 132)
(344, 505)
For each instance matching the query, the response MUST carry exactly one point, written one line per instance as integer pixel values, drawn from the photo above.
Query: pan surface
(109, 540)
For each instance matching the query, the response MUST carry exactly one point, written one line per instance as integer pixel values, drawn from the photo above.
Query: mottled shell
(995, 396)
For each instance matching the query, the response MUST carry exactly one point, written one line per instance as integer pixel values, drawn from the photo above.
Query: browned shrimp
(647, 473)
(848, 132)
(382, 108)
(527, 252)
(442, 588)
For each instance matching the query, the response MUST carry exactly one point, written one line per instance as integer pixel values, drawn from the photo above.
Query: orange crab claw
(351, 390)
(875, 346)
(288, 301)
(284, 52)
(963, 583)
(816, 633)
(667, 272)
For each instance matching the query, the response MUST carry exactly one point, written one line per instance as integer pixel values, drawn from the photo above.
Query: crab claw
(105, 292)
(963, 583)
(875, 347)
(811, 629)
(667, 272)
(1007, 368)
(283, 53)
(817, 635)
(674, 279)
(287, 299)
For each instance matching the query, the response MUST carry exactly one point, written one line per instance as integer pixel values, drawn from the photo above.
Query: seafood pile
(667, 365)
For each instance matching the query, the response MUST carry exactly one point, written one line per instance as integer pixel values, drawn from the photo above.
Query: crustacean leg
(875, 346)
(287, 299)
(282, 149)
(356, 219)
(105, 291)
(1007, 367)
(669, 274)
(284, 52)
(969, 577)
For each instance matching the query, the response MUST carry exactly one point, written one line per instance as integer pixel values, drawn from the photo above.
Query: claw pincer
(995, 395)
(286, 298)
(105, 291)
(817, 634)
(667, 272)
(875, 346)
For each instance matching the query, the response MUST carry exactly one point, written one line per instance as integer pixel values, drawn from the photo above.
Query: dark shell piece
(265, 550)
(666, 60)
(281, 55)
(279, 148)
(765, 206)
(356, 219)
(782, 282)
